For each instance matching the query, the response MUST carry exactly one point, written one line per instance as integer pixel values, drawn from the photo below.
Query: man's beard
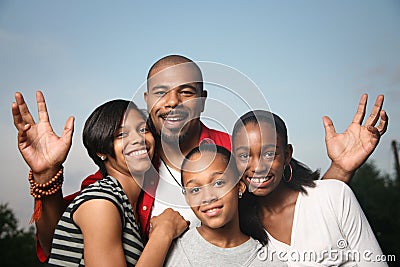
(173, 138)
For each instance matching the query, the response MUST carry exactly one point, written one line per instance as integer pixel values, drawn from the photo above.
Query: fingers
(375, 113)
(68, 131)
(25, 115)
(42, 109)
(383, 124)
(359, 116)
(329, 128)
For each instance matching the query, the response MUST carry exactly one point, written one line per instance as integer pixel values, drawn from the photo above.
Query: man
(175, 99)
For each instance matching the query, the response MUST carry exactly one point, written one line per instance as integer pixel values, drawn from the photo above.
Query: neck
(227, 236)
(172, 156)
(277, 200)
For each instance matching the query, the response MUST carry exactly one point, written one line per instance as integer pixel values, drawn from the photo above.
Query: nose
(257, 165)
(208, 195)
(172, 99)
(136, 138)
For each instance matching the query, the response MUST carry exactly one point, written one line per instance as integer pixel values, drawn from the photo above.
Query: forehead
(252, 132)
(204, 164)
(172, 76)
(133, 117)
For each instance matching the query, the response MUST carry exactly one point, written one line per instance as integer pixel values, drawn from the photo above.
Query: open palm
(40, 147)
(350, 149)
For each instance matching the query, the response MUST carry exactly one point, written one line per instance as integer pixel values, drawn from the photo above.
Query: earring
(102, 157)
(240, 194)
(291, 174)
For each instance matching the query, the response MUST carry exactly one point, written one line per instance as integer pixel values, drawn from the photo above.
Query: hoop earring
(291, 174)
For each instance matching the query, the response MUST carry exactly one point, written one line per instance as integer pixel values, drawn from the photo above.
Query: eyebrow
(263, 147)
(216, 173)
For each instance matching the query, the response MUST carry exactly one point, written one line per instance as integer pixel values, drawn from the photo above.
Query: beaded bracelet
(38, 191)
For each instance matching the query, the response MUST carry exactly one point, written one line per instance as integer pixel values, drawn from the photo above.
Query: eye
(219, 183)
(243, 156)
(187, 93)
(194, 190)
(159, 93)
(120, 135)
(269, 155)
(143, 130)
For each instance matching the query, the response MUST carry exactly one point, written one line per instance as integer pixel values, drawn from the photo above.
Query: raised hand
(350, 149)
(40, 147)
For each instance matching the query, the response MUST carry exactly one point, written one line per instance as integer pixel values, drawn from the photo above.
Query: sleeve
(360, 237)
(176, 255)
(68, 199)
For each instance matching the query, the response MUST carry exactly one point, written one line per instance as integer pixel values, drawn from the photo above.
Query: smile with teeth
(211, 210)
(173, 116)
(260, 180)
(137, 152)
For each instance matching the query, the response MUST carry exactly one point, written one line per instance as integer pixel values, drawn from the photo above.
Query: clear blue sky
(309, 58)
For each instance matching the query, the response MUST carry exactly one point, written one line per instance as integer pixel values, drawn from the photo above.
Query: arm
(350, 149)
(165, 228)
(101, 226)
(44, 152)
(100, 223)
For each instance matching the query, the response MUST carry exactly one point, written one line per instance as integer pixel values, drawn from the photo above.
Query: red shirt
(147, 197)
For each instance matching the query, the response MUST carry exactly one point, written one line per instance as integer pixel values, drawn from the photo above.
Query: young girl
(308, 221)
(212, 188)
(100, 227)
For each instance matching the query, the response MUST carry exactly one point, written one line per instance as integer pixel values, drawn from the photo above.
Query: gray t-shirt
(193, 250)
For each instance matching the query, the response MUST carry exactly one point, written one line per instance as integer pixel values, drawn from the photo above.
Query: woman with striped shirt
(100, 227)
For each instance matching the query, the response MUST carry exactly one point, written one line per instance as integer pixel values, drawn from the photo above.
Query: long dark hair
(302, 175)
(249, 221)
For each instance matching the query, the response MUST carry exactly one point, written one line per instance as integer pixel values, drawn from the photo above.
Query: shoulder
(328, 187)
(106, 189)
(214, 136)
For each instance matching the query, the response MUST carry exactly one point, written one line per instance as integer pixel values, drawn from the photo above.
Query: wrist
(162, 234)
(338, 173)
(46, 175)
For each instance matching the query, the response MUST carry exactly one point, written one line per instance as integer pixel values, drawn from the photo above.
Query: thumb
(329, 128)
(68, 131)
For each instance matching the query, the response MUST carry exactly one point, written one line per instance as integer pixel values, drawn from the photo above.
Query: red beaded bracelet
(47, 189)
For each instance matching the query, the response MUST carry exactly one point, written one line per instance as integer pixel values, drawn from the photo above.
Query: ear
(288, 154)
(145, 96)
(203, 99)
(242, 186)
(103, 157)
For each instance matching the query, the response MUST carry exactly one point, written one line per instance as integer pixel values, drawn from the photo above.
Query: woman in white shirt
(309, 222)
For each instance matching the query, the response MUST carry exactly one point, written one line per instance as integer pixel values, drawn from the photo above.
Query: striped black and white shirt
(67, 248)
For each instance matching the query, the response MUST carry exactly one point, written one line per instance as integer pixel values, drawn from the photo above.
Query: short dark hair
(302, 174)
(99, 130)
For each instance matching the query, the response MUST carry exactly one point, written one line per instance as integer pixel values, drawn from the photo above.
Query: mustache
(174, 112)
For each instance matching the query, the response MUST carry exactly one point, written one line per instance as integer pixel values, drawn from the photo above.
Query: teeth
(211, 210)
(173, 119)
(138, 152)
(260, 180)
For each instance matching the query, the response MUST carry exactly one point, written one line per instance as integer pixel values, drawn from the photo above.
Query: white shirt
(330, 226)
(169, 195)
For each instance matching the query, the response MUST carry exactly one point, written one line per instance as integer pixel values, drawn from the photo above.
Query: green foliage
(379, 197)
(17, 246)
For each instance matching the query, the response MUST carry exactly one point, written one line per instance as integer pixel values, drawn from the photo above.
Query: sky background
(308, 58)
